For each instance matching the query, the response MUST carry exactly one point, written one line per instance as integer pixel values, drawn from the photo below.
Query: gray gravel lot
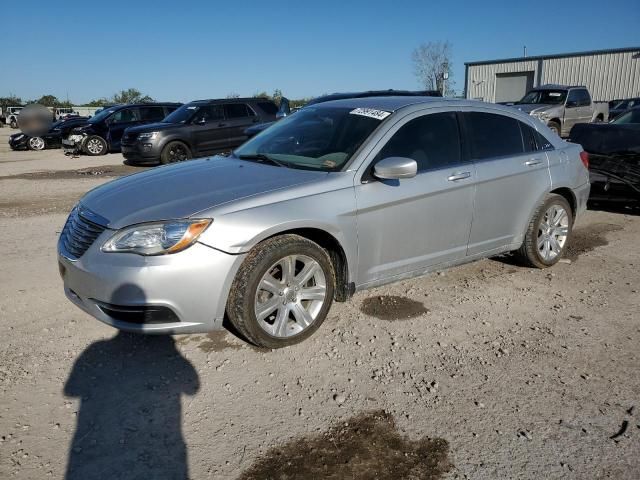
(485, 371)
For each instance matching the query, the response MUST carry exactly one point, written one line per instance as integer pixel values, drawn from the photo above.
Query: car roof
(143, 104)
(390, 104)
(552, 86)
(232, 100)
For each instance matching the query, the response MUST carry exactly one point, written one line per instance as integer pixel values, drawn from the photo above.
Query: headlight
(147, 136)
(157, 238)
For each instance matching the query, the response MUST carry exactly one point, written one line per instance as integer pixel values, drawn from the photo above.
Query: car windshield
(544, 97)
(182, 114)
(315, 138)
(98, 117)
(632, 116)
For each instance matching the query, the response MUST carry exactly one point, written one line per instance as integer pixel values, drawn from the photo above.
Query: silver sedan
(339, 197)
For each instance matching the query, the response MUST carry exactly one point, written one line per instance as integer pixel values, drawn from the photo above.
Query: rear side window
(492, 135)
(236, 110)
(268, 107)
(210, 113)
(433, 141)
(533, 140)
(152, 113)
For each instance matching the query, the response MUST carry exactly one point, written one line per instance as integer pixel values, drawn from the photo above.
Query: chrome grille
(78, 233)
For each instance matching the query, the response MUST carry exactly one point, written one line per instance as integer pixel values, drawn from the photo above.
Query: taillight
(584, 156)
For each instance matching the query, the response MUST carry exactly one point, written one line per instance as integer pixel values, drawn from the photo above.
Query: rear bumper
(582, 196)
(181, 293)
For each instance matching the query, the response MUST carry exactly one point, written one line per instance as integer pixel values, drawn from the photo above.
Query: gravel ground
(485, 371)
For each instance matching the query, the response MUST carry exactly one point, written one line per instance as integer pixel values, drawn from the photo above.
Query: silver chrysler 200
(338, 197)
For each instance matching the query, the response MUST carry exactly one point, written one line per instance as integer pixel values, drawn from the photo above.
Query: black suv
(102, 133)
(197, 129)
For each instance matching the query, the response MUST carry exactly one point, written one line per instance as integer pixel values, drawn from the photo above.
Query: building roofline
(559, 55)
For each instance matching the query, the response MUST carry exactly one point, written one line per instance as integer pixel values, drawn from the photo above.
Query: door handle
(532, 162)
(459, 176)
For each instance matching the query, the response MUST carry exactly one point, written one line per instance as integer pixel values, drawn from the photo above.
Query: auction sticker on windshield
(370, 112)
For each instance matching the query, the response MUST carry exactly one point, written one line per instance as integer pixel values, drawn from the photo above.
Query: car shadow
(129, 424)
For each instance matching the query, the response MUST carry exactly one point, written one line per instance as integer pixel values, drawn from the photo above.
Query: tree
(233, 95)
(48, 101)
(130, 95)
(98, 102)
(432, 66)
(10, 101)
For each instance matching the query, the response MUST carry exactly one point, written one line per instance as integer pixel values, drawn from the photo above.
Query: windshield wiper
(262, 158)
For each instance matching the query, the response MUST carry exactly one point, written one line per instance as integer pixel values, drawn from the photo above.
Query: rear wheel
(175, 152)
(95, 145)
(548, 234)
(555, 126)
(13, 123)
(36, 143)
(282, 292)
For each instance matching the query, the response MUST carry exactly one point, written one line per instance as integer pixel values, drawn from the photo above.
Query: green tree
(10, 101)
(98, 102)
(130, 95)
(49, 101)
(233, 95)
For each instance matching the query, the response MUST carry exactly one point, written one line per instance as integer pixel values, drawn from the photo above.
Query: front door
(208, 130)
(406, 226)
(119, 122)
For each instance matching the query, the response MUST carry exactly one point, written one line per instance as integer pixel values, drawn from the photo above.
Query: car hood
(153, 127)
(182, 190)
(534, 107)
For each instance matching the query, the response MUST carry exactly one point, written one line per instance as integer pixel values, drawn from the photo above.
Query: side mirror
(200, 121)
(392, 168)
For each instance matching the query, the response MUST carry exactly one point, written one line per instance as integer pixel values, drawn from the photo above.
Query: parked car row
(52, 139)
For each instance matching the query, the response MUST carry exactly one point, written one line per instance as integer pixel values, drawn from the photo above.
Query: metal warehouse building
(609, 74)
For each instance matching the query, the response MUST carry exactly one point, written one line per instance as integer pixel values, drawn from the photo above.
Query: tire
(174, 152)
(13, 123)
(543, 244)
(95, 146)
(281, 323)
(555, 126)
(36, 143)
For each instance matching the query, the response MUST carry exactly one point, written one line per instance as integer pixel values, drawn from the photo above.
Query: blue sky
(180, 51)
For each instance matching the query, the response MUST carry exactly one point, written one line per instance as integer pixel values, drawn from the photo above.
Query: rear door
(407, 226)
(511, 178)
(238, 117)
(119, 122)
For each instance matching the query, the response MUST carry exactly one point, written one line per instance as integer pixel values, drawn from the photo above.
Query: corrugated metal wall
(481, 81)
(607, 75)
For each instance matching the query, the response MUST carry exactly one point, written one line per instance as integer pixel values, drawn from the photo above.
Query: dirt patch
(40, 206)
(366, 446)
(392, 307)
(212, 342)
(586, 239)
(103, 171)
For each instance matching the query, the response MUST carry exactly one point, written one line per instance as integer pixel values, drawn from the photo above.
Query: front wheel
(548, 233)
(282, 292)
(175, 152)
(36, 143)
(95, 145)
(13, 123)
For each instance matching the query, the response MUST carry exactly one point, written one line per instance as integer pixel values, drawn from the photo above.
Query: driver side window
(126, 115)
(210, 113)
(433, 141)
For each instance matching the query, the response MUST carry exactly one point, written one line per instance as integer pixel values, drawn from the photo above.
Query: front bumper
(189, 288)
(18, 144)
(141, 151)
(73, 143)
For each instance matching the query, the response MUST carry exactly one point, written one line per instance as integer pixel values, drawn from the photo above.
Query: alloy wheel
(290, 296)
(177, 153)
(94, 146)
(36, 143)
(552, 232)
